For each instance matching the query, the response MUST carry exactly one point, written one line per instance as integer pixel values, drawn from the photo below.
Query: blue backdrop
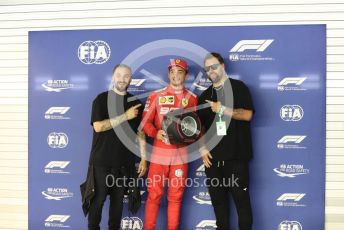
(284, 67)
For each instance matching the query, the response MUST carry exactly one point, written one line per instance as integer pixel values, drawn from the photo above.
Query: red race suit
(168, 162)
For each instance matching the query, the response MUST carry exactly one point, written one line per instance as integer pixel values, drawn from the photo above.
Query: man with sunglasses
(226, 119)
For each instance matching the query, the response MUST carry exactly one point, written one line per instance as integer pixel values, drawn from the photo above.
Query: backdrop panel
(284, 67)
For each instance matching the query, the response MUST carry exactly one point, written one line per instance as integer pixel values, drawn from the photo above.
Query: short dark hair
(120, 65)
(215, 55)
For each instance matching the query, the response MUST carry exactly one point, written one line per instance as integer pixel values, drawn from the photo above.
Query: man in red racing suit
(168, 162)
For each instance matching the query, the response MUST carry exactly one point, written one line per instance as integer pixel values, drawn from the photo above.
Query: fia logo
(291, 113)
(57, 140)
(131, 223)
(234, 57)
(94, 52)
(290, 225)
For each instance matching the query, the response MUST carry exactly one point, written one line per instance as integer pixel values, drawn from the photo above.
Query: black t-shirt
(237, 144)
(107, 149)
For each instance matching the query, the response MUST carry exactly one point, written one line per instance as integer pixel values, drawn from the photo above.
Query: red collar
(172, 90)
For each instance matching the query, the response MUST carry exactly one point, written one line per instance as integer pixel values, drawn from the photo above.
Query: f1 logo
(59, 110)
(57, 164)
(292, 80)
(206, 223)
(137, 82)
(294, 139)
(291, 196)
(59, 218)
(258, 45)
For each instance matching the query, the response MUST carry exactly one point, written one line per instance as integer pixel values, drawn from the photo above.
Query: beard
(215, 79)
(121, 87)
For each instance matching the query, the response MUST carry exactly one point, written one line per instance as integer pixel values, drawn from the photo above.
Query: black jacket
(87, 190)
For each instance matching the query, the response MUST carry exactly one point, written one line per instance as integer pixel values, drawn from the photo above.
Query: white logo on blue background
(131, 223)
(291, 200)
(290, 170)
(57, 85)
(94, 52)
(202, 198)
(202, 84)
(234, 57)
(56, 221)
(291, 83)
(206, 225)
(291, 142)
(56, 113)
(200, 171)
(137, 82)
(255, 46)
(290, 225)
(57, 140)
(291, 113)
(136, 85)
(57, 193)
(56, 167)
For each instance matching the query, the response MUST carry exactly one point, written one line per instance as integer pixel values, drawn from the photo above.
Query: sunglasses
(213, 67)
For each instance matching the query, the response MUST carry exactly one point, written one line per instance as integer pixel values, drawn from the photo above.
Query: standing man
(168, 162)
(228, 161)
(111, 160)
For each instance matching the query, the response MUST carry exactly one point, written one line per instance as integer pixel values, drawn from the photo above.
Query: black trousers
(230, 177)
(116, 193)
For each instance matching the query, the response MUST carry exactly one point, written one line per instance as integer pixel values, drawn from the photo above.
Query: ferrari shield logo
(185, 102)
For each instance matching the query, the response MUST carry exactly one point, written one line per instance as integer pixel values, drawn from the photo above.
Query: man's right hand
(161, 135)
(132, 112)
(206, 157)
